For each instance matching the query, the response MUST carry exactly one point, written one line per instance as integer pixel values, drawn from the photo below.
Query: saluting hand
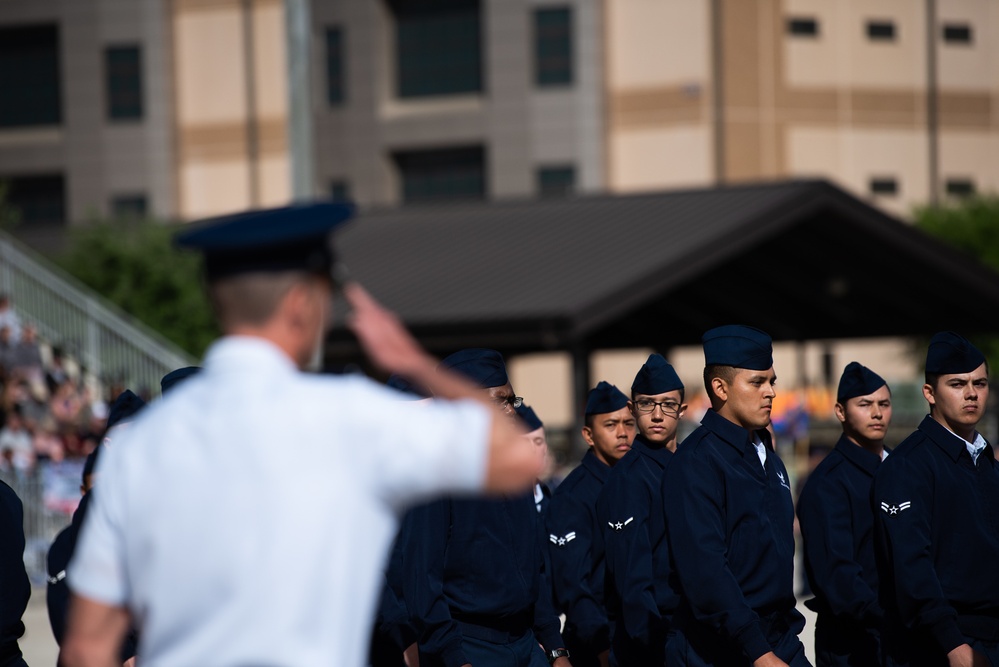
(382, 335)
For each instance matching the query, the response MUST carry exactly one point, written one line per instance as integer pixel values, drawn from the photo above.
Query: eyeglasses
(511, 401)
(671, 408)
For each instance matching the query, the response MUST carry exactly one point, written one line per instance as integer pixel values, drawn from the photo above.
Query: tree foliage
(972, 225)
(135, 265)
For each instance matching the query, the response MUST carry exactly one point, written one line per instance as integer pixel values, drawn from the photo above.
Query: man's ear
(720, 388)
(840, 412)
(587, 435)
(928, 394)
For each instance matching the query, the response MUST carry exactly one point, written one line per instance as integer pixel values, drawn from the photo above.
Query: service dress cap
(291, 238)
(530, 419)
(124, 408)
(410, 391)
(739, 346)
(175, 377)
(857, 380)
(656, 376)
(484, 367)
(605, 398)
(951, 353)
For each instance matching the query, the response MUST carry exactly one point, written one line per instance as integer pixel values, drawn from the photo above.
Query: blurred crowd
(48, 412)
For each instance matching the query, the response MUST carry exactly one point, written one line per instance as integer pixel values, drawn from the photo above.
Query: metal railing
(103, 339)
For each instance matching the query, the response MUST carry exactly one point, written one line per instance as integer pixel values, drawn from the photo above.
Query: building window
(339, 191)
(124, 82)
(881, 31)
(336, 84)
(960, 187)
(553, 46)
(438, 47)
(803, 27)
(556, 181)
(957, 33)
(435, 175)
(29, 76)
(38, 200)
(884, 185)
(132, 207)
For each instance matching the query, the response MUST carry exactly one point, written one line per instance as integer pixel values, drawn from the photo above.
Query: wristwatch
(557, 653)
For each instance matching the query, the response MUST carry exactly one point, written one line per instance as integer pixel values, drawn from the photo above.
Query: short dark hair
(679, 389)
(933, 378)
(713, 371)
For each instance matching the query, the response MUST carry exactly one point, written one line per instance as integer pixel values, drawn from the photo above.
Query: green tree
(971, 225)
(134, 264)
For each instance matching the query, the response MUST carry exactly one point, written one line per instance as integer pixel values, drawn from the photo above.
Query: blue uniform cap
(485, 368)
(124, 408)
(292, 238)
(173, 378)
(656, 376)
(605, 398)
(738, 346)
(412, 392)
(857, 380)
(531, 421)
(951, 353)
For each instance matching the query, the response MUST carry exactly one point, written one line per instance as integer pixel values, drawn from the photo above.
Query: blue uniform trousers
(483, 648)
(924, 654)
(692, 647)
(844, 644)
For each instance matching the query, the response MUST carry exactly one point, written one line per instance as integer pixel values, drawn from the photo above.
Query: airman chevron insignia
(895, 509)
(620, 524)
(562, 541)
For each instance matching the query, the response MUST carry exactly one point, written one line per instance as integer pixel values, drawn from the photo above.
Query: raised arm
(512, 465)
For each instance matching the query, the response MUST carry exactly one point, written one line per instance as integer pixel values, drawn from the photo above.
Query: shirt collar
(733, 434)
(658, 454)
(247, 354)
(945, 439)
(974, 448)
(857, 455)
(595, 466)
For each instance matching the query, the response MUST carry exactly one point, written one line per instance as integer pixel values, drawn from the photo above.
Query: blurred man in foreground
(207, 528)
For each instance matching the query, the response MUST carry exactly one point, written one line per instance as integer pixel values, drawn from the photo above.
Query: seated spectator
(25, 358)
(56, 374)
(66, 404)
(9, 319)
(16, 439)
(6, 350)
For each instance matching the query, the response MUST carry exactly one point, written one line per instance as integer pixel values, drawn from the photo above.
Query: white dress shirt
(245, 518)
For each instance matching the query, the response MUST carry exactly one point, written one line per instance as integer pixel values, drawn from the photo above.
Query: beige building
(183, 109)
(180, 108)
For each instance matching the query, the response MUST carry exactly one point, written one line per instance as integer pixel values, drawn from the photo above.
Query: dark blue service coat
(576, 557)
(637, 589)
(731, 536)
(475, 567)
(937, 544)
(837, 530)
(14, 587)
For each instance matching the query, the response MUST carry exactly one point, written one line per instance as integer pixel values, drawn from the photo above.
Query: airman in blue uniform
(730, 518)
(639, 597)
(536, 434)
(837, 526)
(14, 586)
(573, 533)
(936, 499)
(474, 567)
